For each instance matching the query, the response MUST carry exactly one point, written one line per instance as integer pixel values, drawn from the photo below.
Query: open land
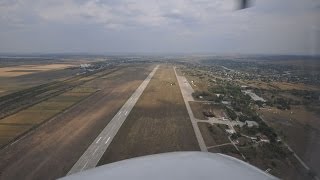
(53, 110)
(17, 101)
(213, 134)
(24, 120)
(58, 143)
(29, 69)
(158, 123)
(300, 128)
(22, 73)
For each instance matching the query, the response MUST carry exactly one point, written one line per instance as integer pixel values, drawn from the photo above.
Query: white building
(254, 96)
(230, 131)
(85, 65)
(251, 124)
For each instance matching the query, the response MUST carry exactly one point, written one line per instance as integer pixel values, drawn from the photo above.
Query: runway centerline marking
(84, 165)
(95, 150)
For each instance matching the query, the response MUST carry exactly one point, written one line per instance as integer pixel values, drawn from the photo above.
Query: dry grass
(297, 114)
(281, 86)
(9, 132)
(213, 134)
(29, 69)
(39, 113)
(158, 123)
(298, 86)
(300, 129)
(59, 143)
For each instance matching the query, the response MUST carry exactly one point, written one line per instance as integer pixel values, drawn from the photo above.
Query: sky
(159, 26)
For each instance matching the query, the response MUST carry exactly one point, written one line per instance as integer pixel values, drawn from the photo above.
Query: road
(214, 120)
(93, 154)
(186, 91)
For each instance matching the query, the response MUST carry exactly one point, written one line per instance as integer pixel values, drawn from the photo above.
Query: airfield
(57, 141)
(57, 120)
(80, 121)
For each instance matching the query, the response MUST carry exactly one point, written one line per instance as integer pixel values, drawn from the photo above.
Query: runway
(186, 91)
(93, 154)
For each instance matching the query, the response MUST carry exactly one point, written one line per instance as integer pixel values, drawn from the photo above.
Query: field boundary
(33, 128)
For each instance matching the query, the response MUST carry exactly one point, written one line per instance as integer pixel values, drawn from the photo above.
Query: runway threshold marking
(98, 140)
(91, 156)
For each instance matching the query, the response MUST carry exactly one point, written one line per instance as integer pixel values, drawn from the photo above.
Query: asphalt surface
(187, 91)
(93, 154)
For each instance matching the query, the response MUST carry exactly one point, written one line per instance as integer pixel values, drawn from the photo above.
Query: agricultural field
(158, 123)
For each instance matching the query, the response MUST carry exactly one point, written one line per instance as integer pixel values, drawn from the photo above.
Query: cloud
(198, 25)
(126, 12)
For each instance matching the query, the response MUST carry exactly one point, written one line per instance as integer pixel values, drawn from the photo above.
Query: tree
(231, 113)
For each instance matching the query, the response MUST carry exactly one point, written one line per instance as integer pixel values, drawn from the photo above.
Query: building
(85, 65)
(253, 95)
(225, 102)
(264, 138)
(251, 124)
(230, 131)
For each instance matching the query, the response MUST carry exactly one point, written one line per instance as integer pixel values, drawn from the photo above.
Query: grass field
(279, 160)
(51, 150)
(281, 86)
(300, 128)
(14, 102)
(213, 134)
(17, 124)
(158, 123)
(8, 132)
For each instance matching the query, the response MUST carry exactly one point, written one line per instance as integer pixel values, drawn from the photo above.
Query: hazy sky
(192, 26)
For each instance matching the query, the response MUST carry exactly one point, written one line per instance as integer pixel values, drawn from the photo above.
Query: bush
(200, 93)
(243, 118)
(282, 103)
(266, 130)
(231, 113)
